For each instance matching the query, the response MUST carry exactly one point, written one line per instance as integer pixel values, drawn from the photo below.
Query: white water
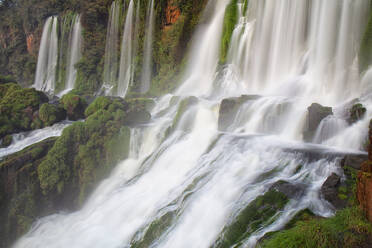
(74, 53)
(281, 50)
(126, 57)
(23, 140)
(147, 53)
(48, 56)
(110, 72)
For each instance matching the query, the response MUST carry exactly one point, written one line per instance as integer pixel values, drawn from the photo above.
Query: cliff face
(22, 21)
(364, 184)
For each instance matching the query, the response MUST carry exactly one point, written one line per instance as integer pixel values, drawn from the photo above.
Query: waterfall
(186, 180)
(126, 57)
(110, 72)
(74, 53)
(147, 57)
(48, 55)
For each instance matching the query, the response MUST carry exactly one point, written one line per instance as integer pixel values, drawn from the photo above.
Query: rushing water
(147, 53)
(23, 140)
(110, 72)
(126, 57)
(48, 56)
(74, 53)
(182, 186)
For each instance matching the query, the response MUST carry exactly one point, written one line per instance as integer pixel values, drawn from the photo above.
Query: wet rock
(330, 191)
(354, 160)
(290, 190)
(229, 108)
(357, 112)
(251, 218)
(316, 113)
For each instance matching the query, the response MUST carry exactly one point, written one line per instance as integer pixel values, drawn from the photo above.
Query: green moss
(229, 22)
(17, 108)
(74, 105)
(50, 114)
(357, 112)
(99, 103)
(155, 230)
(259, 213)
(348, 228)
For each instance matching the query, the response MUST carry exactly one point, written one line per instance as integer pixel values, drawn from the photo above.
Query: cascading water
(48, 56)
(110, 72)
(147, 57)
(74, 53)
(126, 57)
(185, 181)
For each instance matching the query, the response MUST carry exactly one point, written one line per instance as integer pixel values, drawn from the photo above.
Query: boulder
(229, 108)
(316, 113)
(50, 114)
(290, 190)
(357, 112)
(330, 191)
(74, 105)
(354, 161)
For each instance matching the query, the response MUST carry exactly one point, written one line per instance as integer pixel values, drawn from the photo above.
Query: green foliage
(348, 228)
(258, 213)
(229, 22)
(6, 79)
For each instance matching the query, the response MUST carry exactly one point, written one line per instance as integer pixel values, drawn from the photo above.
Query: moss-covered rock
(357, 112)
(50, 114)
(257, 214)
(18, 107)
(229, 22)
(74, 105)
(86, 152)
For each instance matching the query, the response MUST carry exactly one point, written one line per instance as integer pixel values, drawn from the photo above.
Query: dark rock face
(290, 190)
(364, 183)
(354, 160)
(316, 113)
(357, 112)
(330, 191)
(229, 108)
(21, 201)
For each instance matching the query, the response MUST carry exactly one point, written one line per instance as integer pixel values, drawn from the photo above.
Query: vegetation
(18, 108)
(258, 213)
(348, 228)
(229, 22)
